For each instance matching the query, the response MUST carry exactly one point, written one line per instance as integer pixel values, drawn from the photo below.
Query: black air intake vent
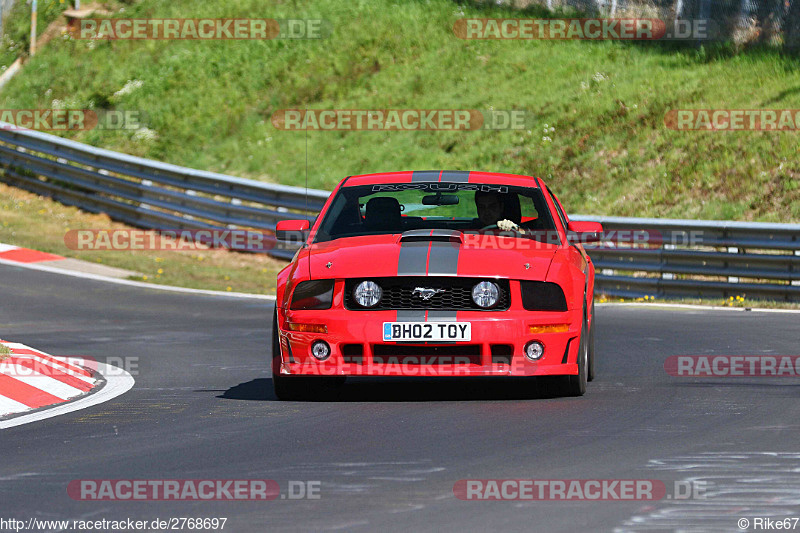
(432, 235)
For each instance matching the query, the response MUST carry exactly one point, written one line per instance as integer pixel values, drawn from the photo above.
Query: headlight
(542, 296)
(485, 294)
(315, 294)
(368, 294)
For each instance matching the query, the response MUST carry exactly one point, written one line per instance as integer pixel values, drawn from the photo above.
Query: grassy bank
(598, 108)
(16, 41)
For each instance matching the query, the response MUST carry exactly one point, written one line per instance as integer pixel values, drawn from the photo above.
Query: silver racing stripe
(437, 315)
(413, 259)
(456, 176)
(443, 259)
(411, 315)
(425, 175)
(452, 176)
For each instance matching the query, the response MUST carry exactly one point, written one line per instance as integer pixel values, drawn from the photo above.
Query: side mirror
(292, 230)
(585, 232)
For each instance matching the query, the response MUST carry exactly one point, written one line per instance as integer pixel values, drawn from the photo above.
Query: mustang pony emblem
(426, 294)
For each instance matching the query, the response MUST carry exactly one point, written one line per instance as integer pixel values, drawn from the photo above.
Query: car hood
(446, 254)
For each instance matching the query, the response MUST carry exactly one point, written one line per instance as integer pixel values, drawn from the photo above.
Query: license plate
(427, 331)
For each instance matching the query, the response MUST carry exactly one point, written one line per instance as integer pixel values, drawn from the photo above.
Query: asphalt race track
(387, 454)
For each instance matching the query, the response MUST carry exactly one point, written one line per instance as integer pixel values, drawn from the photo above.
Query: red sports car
(435, 273)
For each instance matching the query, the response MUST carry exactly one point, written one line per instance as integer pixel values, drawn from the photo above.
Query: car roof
(444, 176)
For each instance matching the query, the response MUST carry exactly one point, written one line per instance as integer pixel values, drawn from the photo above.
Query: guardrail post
(33, 27)
(732, 250)
(663, 261)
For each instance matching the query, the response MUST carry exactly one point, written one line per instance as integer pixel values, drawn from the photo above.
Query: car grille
(403, 354)
(398, 293)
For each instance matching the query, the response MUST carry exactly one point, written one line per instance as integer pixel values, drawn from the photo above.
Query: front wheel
(591, 353)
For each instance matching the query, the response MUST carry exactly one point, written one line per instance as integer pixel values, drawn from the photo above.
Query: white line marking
(69, 365)
(118, 382)
(60, 367)
(7, 406)
(7, 248)
(44, 383)
(130, 283)
(39, 364)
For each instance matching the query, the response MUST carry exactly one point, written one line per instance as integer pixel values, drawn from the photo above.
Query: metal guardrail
(658, 257)
(146, 193)
(698, 259)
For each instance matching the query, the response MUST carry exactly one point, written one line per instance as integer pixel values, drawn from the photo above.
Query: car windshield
(519, 212)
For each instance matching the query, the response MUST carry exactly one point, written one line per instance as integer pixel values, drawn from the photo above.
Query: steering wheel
(517, 228)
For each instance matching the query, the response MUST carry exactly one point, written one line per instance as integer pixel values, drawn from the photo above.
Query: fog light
(534, 350)
(321, 350)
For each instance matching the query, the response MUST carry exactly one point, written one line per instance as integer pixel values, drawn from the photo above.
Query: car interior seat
(511, 207)
(383, 214)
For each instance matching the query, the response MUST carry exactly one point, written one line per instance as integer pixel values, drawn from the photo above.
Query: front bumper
(496, 348)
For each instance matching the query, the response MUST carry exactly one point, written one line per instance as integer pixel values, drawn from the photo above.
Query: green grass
(16, 41)
(598, 108)
(5, 352)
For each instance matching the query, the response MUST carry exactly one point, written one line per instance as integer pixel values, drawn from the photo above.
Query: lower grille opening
(353, 353)
(404, 354)
(502, 353)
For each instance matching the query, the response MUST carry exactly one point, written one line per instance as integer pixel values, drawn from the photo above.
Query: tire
(576, 385)
(297, 387)
(591, 351)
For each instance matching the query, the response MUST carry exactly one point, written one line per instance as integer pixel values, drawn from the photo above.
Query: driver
(491, 209)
